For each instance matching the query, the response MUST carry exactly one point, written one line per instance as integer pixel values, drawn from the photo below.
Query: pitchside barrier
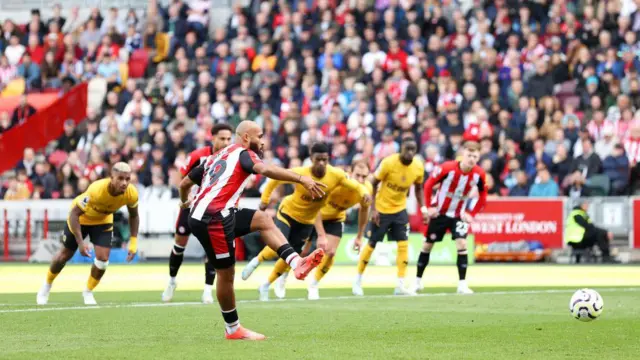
(30, 230)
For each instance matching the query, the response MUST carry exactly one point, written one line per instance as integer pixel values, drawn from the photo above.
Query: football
(586, 305)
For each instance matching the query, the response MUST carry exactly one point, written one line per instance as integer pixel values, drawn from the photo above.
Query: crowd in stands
(550, 87)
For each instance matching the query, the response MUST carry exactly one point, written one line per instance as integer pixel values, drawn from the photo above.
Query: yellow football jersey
(300, 206)
(340, 200)
(396, 179)
(98, 205)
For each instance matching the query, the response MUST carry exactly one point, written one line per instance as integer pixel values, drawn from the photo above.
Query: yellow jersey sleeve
(353, 185)
(383, 170)
(84, 200)
(273, 184)
(132, 197)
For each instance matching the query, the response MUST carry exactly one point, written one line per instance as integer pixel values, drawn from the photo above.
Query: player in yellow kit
(334, 213)
(392, 181)
(92, 215)
(298, 212)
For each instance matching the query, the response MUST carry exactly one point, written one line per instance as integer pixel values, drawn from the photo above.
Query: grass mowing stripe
(142, 305)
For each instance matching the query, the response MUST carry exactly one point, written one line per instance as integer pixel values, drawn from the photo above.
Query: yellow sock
(280, 268)
(365, 255)
(267, 254)
(92, 283)
(402, 258)
(324, 267)
(50, 277)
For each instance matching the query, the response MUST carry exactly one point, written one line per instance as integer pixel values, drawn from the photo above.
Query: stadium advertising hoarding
(522, 219)
(444, 252)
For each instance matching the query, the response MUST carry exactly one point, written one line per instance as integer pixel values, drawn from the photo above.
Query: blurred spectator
(69, 140)
(16, 190)
(616, 167)
(22, 112)
(544, 185)
(588, 163)
(521, 188)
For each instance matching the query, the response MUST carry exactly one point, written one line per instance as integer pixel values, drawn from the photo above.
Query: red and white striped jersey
(455, 188)
(225, 176)
(632, 147)
(195, 158)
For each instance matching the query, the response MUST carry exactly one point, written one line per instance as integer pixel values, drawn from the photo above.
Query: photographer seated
(581, 233)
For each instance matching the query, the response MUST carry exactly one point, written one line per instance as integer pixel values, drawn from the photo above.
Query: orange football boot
(306, 264)
(244, 334)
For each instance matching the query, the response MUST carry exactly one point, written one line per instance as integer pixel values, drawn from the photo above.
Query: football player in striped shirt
(447, 210)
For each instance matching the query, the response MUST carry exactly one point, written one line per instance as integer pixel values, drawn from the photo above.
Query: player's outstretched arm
(278, 173)
(74, 224)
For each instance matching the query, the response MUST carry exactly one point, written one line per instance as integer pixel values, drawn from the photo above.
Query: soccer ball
(586, 305)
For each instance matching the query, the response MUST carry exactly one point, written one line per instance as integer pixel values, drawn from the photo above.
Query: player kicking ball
(221, 138)
(92, 215)
(447, 210)
(216, 220)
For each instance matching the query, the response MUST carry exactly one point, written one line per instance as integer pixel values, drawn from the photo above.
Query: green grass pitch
(506, 322)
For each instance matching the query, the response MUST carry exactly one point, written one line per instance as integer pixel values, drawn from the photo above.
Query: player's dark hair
(319, 148)
(219, 127)
(407, 139)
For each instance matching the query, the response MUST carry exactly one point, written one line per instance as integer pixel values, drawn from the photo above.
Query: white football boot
(88, 298)
(42, 298)
(250, 268)
(279, 287)
(264, 291)
(167, 294)
(463, 288)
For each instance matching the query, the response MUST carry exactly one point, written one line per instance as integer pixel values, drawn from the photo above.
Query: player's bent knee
(181, 240)
(100, 264)
(372, 243)
(427, 246)
(330, 253)
(461, 245)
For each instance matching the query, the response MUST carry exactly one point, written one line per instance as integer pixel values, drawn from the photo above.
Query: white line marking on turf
(346, 297)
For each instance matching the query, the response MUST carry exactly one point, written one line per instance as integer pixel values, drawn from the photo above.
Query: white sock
(358, 279)
(231, 328)
(462, 283)
(266, 285)
(86, 291)
(401, 282)
(314, 282)
(418, 280)
(46, 286)
(208, 288)
(293, 260)
(172, 279)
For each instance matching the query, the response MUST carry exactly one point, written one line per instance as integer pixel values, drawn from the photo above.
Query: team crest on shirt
(404, 178)
(85, 201)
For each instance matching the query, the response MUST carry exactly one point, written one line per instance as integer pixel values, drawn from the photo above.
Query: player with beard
(221, 138)
(447, 210)
(391, 184)
(216, 220)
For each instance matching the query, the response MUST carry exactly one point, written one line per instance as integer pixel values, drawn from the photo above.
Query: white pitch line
(192, 303)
